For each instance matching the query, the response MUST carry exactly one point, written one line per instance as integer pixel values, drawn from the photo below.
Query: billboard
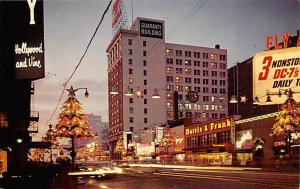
(23, 37)
(243, 139)
(274, 71)
(151, 29)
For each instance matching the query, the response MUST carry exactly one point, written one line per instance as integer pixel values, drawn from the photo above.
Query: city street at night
(213, 178)
(141, 94)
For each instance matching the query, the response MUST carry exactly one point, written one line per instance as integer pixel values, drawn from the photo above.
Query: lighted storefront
(210, 143)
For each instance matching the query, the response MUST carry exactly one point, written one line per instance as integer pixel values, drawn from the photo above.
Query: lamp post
(72, 123)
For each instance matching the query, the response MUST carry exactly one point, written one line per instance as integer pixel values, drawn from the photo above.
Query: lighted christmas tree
(120, 147)
(168, 139)
(72, 123)
(288, 119)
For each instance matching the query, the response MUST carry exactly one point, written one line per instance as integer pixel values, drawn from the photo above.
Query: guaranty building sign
(151, 29)
(276, 69)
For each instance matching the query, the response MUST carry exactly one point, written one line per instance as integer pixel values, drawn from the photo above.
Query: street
(149, 178)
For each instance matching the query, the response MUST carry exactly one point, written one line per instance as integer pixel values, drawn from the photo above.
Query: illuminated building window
(214, 65)
(170, 113)
(205, 115)
(170, 87)
(169, 105)
(213, 56)
(188, 106)
(214, 107)
(205, 107)
(222, 99)
(179, 88)
(169, 51)
(169, 96)
(130, 80)
(169, 70)
(214, 99)
(188, 71)
(188, 88)
(197, 106)
(188, 62)
(178, 79)
(222, 107)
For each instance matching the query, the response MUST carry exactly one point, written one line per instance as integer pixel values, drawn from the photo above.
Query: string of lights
(80, 61)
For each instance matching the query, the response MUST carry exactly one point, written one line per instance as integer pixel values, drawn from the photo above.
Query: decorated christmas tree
(120, 147)
(72, 123)
(288, 120)
(168, 139)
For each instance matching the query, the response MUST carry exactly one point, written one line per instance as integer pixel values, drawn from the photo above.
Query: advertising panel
(243, 139)
(274, 71)
(23, 37)
(151, 29)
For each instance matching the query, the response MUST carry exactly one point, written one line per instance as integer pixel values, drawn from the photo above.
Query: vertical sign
(232, 130)
(23, 36)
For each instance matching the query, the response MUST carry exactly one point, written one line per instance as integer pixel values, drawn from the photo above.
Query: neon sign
(272, 40)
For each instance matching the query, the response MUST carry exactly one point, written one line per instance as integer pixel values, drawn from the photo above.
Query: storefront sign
(243, 139)
(279, 143)
(274, 70)
(151, 29)
(179, 143)
(145, 150)
(212, 126)
(3, 161)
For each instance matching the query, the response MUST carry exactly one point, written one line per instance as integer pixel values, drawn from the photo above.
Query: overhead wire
(80, 61)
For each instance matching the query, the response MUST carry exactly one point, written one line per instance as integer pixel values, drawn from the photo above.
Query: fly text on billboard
(273, 41)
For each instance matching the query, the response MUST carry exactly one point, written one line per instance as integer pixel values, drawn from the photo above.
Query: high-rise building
(141, 66)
